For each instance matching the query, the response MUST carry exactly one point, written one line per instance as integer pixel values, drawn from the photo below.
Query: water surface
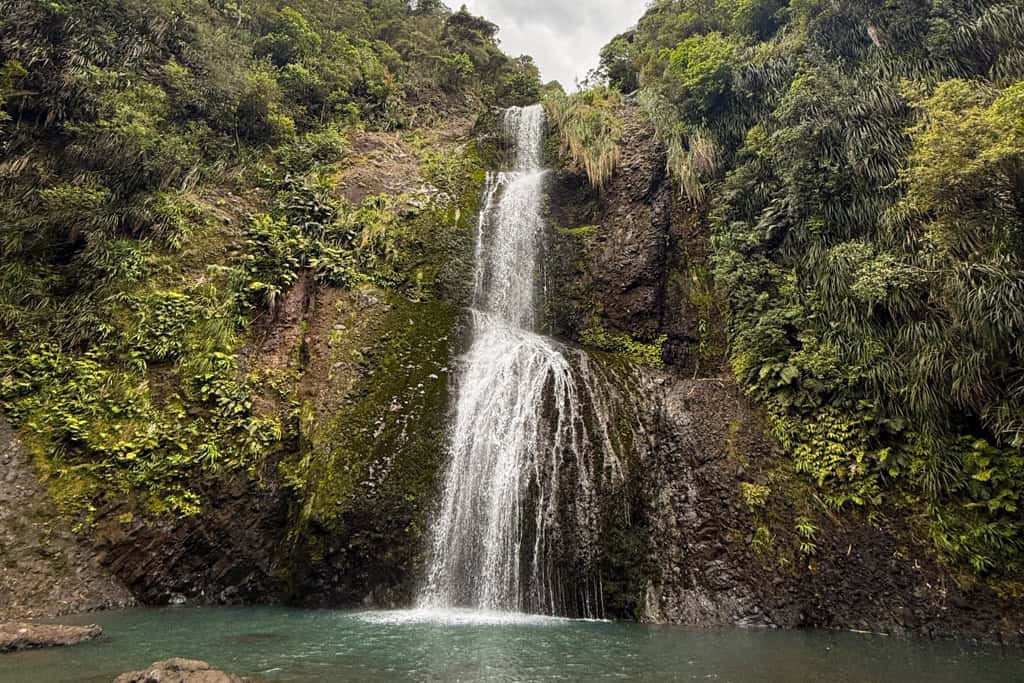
(280, 644)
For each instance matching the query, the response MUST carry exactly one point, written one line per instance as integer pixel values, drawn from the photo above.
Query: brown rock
(22, 636)
(178, 670)
(47, 571)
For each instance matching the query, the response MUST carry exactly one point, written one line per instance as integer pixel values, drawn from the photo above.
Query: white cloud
(563, 36)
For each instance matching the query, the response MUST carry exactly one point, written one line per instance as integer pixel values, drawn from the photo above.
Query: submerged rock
(178, 670)
(22, 636)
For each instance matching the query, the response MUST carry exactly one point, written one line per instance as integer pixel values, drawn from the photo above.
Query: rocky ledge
(22, 636)
(179, 670)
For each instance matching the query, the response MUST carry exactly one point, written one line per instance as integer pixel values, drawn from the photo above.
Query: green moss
(582, 231)
(639, 352)
(376, 451)
(390, 417)
(365, 473)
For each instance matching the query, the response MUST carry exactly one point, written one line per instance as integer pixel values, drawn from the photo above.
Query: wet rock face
(692, 494)
(621, 267)
(628, 257)
(229, 554)
(21, 636)
(45, 569)
(862, 576)
(376, 385)
(178, 670)
(635, 260)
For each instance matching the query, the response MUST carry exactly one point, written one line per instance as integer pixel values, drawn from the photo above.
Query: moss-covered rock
(373, 438)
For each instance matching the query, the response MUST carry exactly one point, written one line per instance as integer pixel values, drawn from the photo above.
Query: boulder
(23, 636)
(178, 670)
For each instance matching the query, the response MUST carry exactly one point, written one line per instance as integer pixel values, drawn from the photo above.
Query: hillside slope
(234, 244)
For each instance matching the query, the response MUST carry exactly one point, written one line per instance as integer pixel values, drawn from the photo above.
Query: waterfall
(520, 460)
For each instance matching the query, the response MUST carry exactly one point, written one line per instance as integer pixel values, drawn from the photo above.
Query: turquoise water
(280, 644)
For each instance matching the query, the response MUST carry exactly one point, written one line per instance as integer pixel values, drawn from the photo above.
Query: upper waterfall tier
(525, 128)
(511, 227)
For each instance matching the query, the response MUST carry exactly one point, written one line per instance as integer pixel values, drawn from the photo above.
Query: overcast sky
(563, 36)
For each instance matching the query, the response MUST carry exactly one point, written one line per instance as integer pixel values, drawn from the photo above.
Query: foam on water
(457, 617)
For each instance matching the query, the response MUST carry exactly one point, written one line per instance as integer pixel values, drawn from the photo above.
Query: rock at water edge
(23, 636)
(178, 670)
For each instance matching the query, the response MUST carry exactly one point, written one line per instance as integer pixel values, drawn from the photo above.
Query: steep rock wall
(357, 378)
(45, 569)
(369, 376)
(863, 574)
(634, 261)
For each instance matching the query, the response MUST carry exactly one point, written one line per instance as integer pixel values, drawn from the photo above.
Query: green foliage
(695, 86)
(806, 530)
(755, 495)
(10, 73)
(162, 322)
(455, 71)
(968, 143)
(636, 351)
(862, 166)
(617, 63)
(519, 84)
(763, 541)
(290, 39)
(834, 450)
(100, 426)
(398, 242)
(167, 173)
(590, 129)
(698, 71)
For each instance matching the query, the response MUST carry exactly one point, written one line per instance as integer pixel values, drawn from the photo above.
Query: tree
(618, 63)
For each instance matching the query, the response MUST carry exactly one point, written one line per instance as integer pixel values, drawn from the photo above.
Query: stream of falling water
(519, 444)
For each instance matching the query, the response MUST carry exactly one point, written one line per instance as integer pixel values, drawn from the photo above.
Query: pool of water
(279, 644)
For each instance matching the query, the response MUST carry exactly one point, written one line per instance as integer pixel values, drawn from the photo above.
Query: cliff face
(730, 533)
(45, 569)
(357, 377)
(633, 260)
(721, 561)
(621, 240)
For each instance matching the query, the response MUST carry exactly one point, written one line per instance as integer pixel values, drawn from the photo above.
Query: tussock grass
(590, 129)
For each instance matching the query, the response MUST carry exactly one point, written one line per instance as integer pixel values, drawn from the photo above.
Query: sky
(563, 36)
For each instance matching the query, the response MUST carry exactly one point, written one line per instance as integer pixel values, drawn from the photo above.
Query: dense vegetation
(861, 166)
(167, 171)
